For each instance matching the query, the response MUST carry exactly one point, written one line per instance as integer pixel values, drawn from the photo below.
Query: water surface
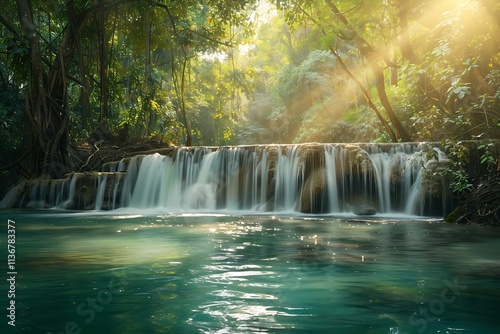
(133, 273)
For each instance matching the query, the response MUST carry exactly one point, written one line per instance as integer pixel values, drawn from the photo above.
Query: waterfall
(334, 189)
(287, 179)
(307, 178)
(101, 188)
(67, 193)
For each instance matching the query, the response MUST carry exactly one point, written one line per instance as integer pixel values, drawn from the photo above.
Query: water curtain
(363, 179)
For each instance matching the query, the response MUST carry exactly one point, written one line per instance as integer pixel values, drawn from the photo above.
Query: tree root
(483, 204)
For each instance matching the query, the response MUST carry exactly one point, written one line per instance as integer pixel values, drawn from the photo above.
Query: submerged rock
(364, 210)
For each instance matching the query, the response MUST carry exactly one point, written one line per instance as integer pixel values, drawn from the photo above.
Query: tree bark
(384, 99)
(43, 100)
(47, 105)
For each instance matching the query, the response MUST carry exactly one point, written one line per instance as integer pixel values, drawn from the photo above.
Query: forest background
(229, 72)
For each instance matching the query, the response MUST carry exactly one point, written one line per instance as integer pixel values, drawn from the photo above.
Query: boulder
(364, 210)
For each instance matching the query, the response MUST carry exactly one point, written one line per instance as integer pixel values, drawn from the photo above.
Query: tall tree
(64, 81)
(373, 57)
(47, 102)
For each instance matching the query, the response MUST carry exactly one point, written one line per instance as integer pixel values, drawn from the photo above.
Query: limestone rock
(363, 207)
(364, 210)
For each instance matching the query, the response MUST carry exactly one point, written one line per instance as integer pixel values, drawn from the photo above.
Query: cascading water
(309, 178)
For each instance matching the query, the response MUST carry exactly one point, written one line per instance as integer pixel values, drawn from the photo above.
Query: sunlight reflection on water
(226, 274)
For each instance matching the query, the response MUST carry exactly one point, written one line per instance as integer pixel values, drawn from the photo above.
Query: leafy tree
(73, 61)
(456, 78)
(312, 113)
(273, 49)
(218, 91)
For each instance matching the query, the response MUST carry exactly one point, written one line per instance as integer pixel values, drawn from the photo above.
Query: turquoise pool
(125, 272)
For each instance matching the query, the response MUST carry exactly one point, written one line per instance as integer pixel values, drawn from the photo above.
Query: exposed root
(483, 204)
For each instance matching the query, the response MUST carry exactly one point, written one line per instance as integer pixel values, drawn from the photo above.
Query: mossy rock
(433, 180)
(455, 216)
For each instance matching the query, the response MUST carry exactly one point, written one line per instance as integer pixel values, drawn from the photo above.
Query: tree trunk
(46, 104)
(147, 95)
(366, 95)
(179, 84)
(103, 59)
(382, 94)
(47, 101)
(83, 100)
(404, 40)
(431, 95)
(394, 60)
(183, 103)
(370, 54)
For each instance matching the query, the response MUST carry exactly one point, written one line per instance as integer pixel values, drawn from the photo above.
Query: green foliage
(487, 157)
(11, 121)
(470, 162)
(12, 125)
(305, 90)
(171, 66)
(457, 78)
(17, 57)
(459, 156)
(129, 58)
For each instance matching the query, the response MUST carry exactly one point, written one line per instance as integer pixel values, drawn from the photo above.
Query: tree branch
(366, 95)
